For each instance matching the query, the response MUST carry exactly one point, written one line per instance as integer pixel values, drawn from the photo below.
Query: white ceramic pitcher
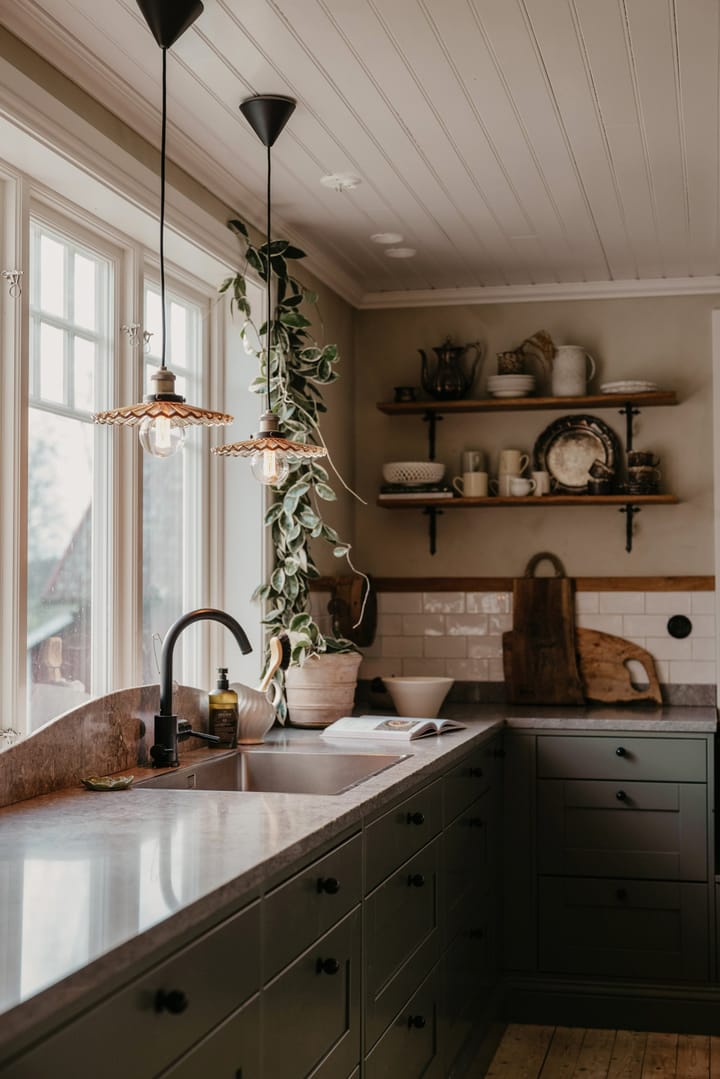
(569, 371)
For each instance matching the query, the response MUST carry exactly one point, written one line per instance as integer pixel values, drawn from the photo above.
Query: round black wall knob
(679, 626)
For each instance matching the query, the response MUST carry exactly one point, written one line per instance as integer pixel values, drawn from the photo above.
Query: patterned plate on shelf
(567, 448)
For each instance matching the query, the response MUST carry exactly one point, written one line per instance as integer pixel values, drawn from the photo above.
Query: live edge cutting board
(538, 666)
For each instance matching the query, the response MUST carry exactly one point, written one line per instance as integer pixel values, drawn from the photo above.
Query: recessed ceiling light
(400, 252)
(386, 238)
(341, 181)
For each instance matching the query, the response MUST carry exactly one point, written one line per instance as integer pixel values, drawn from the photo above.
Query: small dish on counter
(108, 783)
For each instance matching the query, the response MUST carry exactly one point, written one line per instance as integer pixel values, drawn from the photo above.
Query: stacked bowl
(511, 385)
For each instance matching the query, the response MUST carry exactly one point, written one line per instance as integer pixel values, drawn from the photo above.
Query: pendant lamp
(270, 452)
(163, 415)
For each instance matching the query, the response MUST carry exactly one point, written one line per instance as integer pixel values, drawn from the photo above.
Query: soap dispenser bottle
(223, 711)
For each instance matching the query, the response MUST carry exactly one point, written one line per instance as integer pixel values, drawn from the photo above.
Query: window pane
(60, 485)
(52, 381)
(178, 336)
(52, 276)
(84, 374)
(153, 321)
(84, 292)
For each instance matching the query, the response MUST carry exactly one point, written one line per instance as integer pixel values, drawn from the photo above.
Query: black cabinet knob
(621, 751)
(415, 818)
(416, 880)
(329, 885)
(476, 934)
(416, 1021)
(327, 966)
(173, 1001)
(621, 796)
(621, 893)
(475, 822)
(476, 773)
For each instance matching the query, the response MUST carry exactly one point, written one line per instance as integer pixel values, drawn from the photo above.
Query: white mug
(513, 461)
(542, 483)
(520, 487)
(472, 484)
(569, 371)
(501, 486)
(473, 461)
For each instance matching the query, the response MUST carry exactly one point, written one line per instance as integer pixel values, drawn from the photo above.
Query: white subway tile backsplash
(402, 646)
(467, 670)
(445, 647)
(489, 647)
(669, 648)
(489, 602)
(413, 667)
(423, 625)
(499, 623)
(703, 625)
(467, 625)
(587, 602)
(621, 602)
(703, 603)
(668, 603)
(693, 672)
(496, 672)
(704, 648)
(443, 602)
(606, 623)
(399, 602)
(390, 625)
(379, 668)
(644, 625)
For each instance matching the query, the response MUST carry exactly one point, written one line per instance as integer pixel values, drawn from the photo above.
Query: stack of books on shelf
(420, 491)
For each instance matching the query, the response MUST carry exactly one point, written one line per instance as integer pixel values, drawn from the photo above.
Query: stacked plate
(511, 385)
(629, 385)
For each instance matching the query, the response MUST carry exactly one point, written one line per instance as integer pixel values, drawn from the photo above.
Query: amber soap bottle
(223, 711)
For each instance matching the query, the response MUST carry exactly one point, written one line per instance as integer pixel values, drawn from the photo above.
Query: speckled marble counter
(93, 884)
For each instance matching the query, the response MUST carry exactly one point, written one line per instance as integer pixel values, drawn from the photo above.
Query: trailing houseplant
(299, 370)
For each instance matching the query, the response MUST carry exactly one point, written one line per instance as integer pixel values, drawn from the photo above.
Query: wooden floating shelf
(518, 404)
(530, 500)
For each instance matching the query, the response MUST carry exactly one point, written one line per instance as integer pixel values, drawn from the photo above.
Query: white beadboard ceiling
(512, 143)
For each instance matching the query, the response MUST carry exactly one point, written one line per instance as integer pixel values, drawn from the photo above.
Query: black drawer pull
(328, 885)
(621, 796)
(416, 880)
(621, 751)
(621, 893)
(476, 773)
(173, 1001)
(327, 966)
(417, 1021)
(475, 822)
(476, 934)
(415, 818)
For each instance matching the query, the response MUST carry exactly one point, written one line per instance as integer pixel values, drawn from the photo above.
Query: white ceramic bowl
(410, 472)
(419, 696)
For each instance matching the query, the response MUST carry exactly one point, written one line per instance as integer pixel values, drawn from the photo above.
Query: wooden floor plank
(595, 1053)
(714, 1057)
(693, 1056)
(563, 1053)
(521, 1052)
(660, 1061)
(627, 1056)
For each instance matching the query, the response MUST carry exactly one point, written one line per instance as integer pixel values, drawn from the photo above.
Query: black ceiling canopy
(267, 114)
(169, 19)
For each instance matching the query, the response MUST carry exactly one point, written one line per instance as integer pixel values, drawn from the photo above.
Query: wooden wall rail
(505, 584)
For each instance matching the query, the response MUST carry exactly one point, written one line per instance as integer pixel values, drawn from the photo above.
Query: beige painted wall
(667, 340)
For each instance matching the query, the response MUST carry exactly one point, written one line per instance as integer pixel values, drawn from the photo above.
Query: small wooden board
(602, 660)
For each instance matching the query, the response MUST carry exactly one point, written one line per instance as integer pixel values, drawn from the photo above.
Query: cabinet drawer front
(394, 837)
(216, 974)
(401, 937)
(624, 928)
(479, 771)
(409, 1047)
(306, 906)
(677, 760)
(232, 1049)
(606, 829)
(311, 1016)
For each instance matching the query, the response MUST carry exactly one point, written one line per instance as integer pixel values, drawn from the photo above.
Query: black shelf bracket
(629, 413)
(431, 419)
(630, 510)
(432, 513)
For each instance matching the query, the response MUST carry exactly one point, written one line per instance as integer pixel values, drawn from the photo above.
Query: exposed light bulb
(160, 437)
(270, 468)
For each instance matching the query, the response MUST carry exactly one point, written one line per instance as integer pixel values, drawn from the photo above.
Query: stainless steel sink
(282, 771)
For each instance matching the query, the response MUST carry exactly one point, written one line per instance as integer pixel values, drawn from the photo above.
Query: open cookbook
(403, 728)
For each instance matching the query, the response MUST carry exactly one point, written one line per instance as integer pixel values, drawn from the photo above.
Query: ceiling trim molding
(581, 290)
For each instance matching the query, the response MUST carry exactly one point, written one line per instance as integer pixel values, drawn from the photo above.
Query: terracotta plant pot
(323, 689)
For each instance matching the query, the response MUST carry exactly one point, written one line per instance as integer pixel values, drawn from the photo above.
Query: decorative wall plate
(567, 448)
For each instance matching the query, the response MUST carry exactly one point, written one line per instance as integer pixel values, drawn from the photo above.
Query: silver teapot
(448, 380)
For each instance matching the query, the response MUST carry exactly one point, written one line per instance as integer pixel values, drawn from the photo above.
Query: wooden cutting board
(605, 676)
(539, 654)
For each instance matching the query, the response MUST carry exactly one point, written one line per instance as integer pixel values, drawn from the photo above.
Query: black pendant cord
(268, 270)
(163, 140)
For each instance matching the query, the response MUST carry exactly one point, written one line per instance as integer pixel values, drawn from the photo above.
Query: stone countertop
(93, 885)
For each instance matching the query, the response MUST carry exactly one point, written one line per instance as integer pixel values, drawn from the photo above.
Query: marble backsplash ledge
(104, 735)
